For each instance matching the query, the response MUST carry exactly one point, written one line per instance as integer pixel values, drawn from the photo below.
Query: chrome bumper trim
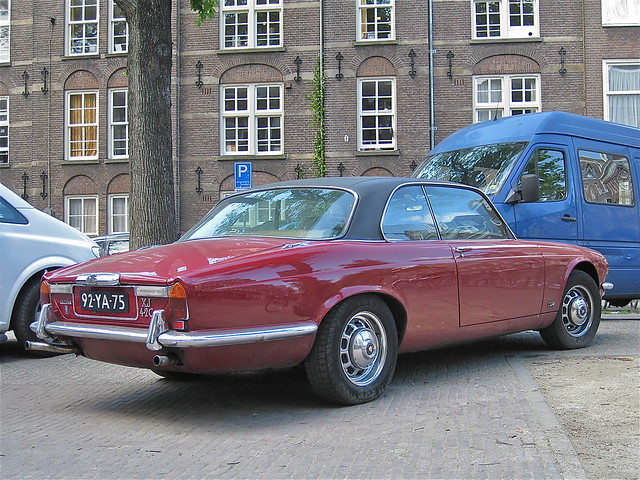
(157, 336)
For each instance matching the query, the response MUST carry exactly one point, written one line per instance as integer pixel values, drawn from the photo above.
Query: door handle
(568, 218)
(462, 250)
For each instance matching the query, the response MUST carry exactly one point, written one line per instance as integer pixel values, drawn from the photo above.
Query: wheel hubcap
(363, 348)
(577, 314)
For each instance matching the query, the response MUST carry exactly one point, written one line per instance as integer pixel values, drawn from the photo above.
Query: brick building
(242, 87)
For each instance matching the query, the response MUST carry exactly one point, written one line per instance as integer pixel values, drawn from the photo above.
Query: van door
(610, 211)
(554, 216)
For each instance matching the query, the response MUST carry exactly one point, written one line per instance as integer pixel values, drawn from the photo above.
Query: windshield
(482, 166)
(305, 213)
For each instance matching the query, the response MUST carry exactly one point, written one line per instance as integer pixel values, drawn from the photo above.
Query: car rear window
(305, 213)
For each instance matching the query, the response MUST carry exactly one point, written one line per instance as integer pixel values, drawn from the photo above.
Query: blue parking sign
(243, 175)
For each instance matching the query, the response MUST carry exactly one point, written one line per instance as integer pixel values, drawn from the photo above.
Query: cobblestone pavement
(466, 412)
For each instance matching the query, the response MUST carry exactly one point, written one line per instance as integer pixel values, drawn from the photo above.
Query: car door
(554, 216)
(499, 278)
(425, 276)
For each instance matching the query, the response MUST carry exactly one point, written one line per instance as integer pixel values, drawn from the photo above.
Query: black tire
(578, 317)
(25, 313)
(355, 352)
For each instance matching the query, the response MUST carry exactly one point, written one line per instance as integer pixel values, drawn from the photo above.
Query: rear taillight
(177, 312)
(45, 292)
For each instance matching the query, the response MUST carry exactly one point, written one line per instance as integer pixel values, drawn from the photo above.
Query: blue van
(559, 177)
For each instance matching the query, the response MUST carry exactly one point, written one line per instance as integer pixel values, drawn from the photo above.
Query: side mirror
(530, 188)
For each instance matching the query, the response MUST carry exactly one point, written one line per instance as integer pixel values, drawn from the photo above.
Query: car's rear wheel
(578, 317)
(354, 355)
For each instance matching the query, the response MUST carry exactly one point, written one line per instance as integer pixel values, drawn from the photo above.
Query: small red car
(340, 274)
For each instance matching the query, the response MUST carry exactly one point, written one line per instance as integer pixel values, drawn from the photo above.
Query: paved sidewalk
(465, 412)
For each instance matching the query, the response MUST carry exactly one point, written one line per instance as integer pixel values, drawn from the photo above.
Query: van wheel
(355, 352)
(578, 317)
(25, 313)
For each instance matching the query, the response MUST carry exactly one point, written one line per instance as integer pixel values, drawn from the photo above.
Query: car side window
(408, 216)
(8, 214)
(549, 166)
(465, 214)
(606, 178)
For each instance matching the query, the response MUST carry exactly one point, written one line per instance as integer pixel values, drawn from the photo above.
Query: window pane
(408, 216)
(606, 178)
(549, 166)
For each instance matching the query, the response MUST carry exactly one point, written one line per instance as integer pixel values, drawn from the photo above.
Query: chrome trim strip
(41, 324)
(157, 326)
(100, 332)
(99, 279)
(203, 338)
(61, 288)
(236, 337)
(149, 291)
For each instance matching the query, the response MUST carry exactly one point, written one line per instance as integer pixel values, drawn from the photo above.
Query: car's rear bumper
(158, 336)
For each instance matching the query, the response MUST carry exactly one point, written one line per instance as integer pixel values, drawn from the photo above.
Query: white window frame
(377, 113)
(364, 34)
(253, 9)
(4, 130)
(85, 24)
(503, 28)
(5, 33)
(88, 221)
(114, 125)
(620, 13)
(117, 47)
(254, 115)
(113, 215)
(83, 124)
(505, 105)
(607, 93)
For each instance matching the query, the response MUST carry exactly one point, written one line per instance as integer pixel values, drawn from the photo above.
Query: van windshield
(484, 166)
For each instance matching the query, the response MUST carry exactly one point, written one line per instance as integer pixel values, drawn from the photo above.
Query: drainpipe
(432, 102)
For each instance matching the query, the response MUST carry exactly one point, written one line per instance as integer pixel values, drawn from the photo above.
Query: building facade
(400, 76)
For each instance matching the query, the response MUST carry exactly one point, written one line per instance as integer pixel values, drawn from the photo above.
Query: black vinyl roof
(372, 193)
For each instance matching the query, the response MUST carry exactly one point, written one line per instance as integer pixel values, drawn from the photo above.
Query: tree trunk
(152, 215)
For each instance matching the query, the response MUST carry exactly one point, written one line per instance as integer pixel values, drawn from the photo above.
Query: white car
(31, 243)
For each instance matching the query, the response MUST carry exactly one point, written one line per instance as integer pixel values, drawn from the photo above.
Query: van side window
(606, 178)
(549, 166)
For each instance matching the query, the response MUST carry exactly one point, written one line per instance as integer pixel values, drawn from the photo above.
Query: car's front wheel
(578, 317)
(355, 351)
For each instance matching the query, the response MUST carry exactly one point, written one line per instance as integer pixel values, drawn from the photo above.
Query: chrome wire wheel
(577, 310)
(363, 348)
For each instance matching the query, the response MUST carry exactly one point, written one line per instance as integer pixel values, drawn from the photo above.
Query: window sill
(90, 56)
(85, 161)
(365, 43)
(255, 158)
(116, 160)
(377, 153)
(231, 51)
(480, 41)
(115, 54)
(5, 165)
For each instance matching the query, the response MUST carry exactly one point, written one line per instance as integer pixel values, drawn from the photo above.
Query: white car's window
(465, 214)
(305, 213)
(408, 217)
(8, 214)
